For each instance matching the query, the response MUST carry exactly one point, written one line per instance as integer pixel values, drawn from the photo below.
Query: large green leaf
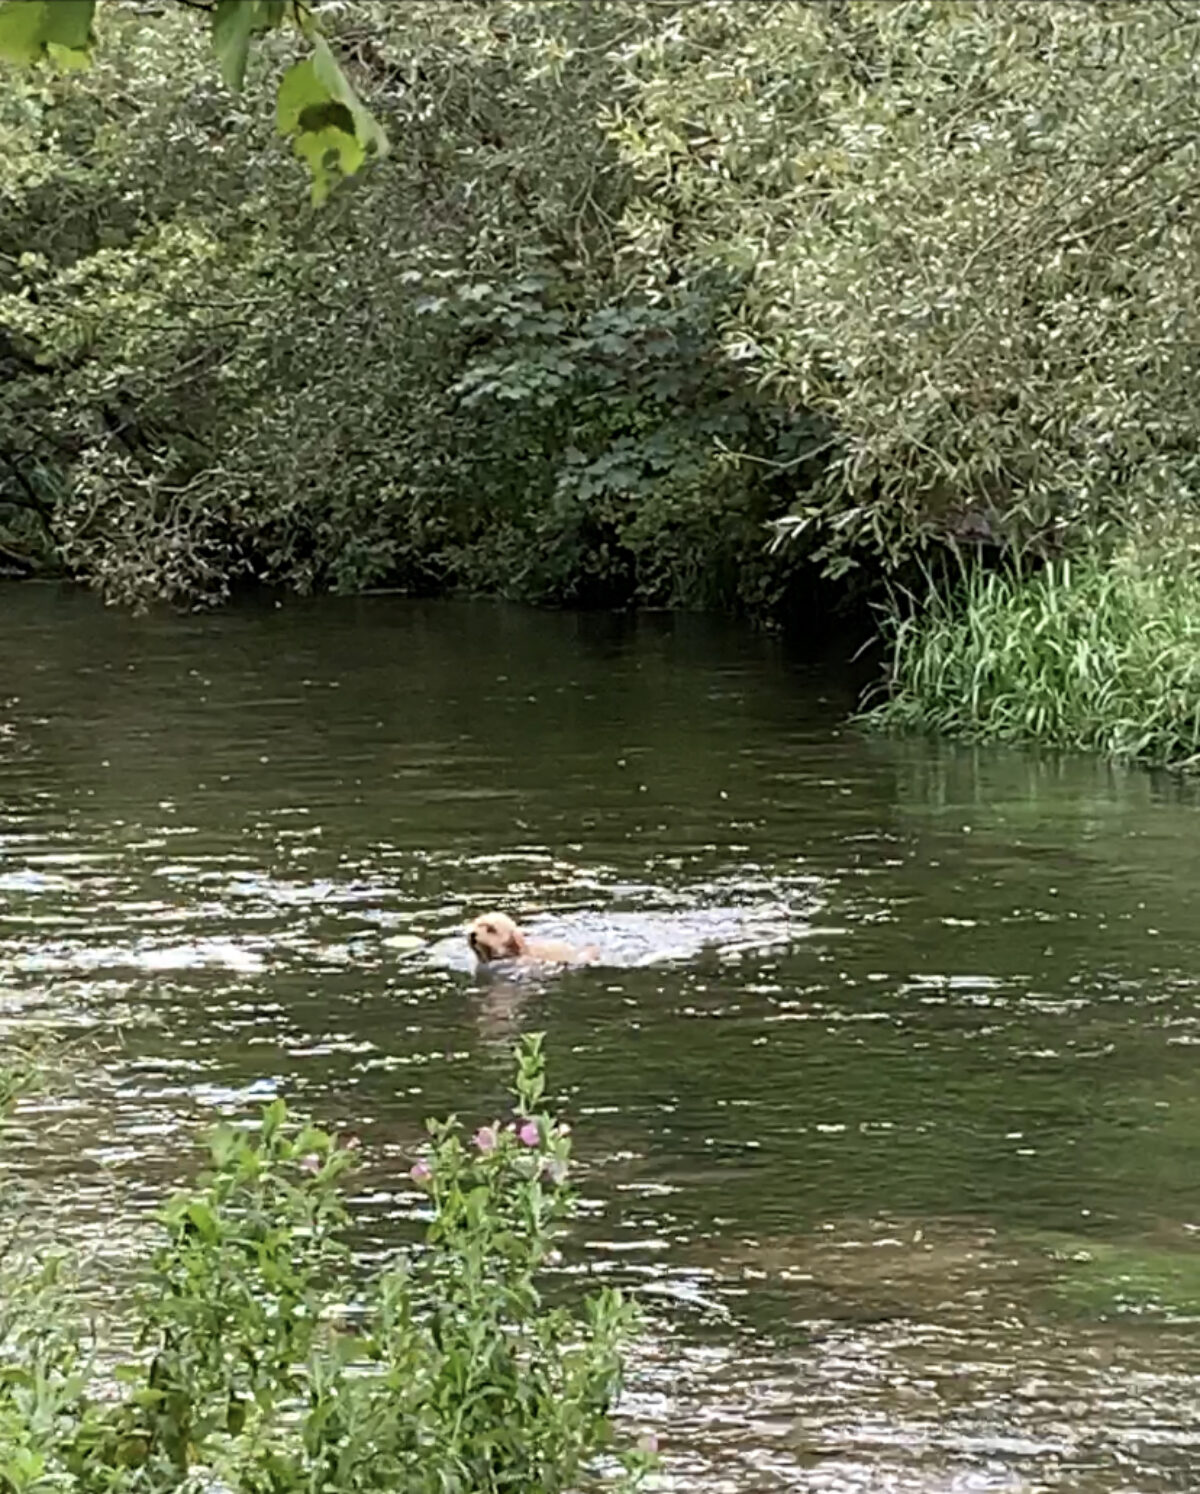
(329, 74)
(328, 125)
(234, 23)
(32, 30)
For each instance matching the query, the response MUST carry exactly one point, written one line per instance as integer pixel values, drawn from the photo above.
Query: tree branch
(24, 564)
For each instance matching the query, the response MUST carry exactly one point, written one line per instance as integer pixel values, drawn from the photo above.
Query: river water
(885, 1093)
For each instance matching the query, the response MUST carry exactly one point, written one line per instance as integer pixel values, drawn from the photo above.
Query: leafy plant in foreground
(266, 1367)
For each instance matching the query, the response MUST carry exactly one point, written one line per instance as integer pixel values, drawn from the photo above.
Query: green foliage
(267, 1366)
(898, 276)
(619, 418)
(319, 112)
(33, 31)
(445, 383)
(1098, 653)
(317, 108)
(234, 25)
(965, 234)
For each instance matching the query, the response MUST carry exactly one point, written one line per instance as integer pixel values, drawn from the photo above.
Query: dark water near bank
(887, 1098)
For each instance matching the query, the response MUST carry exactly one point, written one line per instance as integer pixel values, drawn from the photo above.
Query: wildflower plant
(267, 1366)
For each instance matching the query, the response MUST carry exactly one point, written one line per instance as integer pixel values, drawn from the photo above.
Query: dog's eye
(489, 928)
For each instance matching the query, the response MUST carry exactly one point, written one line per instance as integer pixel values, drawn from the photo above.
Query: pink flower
(420, 1172)
(485, 1139)
(529, 1134)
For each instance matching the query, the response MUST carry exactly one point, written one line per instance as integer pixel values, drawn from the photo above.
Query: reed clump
(1100, 652)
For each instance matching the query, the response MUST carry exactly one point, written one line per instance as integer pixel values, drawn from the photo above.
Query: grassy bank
(1097, 653)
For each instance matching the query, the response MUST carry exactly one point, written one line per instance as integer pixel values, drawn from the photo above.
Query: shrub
(965, 235)
(450, 379)
(265, 1367)
(1099, 653)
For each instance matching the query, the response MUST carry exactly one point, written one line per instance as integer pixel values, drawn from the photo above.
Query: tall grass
(1097, 653)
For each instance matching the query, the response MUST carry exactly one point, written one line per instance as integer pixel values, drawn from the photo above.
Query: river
(884, 1093)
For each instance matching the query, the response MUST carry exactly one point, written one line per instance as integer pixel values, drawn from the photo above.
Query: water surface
(884, 1094)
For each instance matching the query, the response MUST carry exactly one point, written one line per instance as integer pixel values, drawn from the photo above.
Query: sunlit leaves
(317, 108)
(968, 235)
(328, 126)
(32, 31)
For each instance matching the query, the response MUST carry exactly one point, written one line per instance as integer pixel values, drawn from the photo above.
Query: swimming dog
(494, 936)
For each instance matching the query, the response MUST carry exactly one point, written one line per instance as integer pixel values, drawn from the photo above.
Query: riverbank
(614, 340)
(1096, 653)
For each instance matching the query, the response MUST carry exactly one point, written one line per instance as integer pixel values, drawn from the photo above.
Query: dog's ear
(517, 943)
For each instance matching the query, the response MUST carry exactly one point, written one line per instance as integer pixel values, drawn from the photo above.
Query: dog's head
(494, 936)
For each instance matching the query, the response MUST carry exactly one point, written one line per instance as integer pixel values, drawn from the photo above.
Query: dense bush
(445, 378)
(265, 1363)
(965, 234)
(636, 287)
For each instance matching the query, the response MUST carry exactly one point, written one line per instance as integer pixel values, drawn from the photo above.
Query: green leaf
(321, 129)
(201, 1217)
(348, 1348)
(33, 30)
(234, 23)
(329, 127)
(273, 1117)
(275, 11)
(222, 1143)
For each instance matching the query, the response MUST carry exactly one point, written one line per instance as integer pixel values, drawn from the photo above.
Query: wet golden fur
(494, 936)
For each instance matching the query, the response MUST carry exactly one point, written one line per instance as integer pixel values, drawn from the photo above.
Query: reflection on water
(884, 1089)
